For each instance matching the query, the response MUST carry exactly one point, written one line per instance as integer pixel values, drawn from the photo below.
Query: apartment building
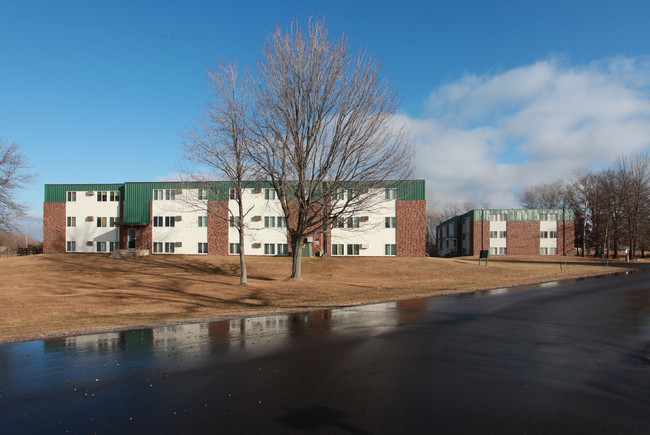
(508, 232)
(202, 218)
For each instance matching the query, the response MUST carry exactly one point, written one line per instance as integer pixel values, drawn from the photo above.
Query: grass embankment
(54, 294)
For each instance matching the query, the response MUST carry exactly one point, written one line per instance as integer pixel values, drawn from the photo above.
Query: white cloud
(486, 137)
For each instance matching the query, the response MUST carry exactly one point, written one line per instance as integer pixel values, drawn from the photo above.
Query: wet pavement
(571, 358)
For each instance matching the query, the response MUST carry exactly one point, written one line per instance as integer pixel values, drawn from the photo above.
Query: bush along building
(508, 232)
(201, 218)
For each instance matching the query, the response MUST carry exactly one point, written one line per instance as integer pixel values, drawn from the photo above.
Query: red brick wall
(314, 231)
(411, 231)
(54, 227)
(523, 238)
(218, 226)
(480, 237)
(565, 235)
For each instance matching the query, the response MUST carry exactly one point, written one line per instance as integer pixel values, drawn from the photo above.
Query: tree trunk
(243, 277)
(296, 269)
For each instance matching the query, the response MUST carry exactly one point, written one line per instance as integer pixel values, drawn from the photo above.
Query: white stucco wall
(371, 232)
(256, 207)
(548, 242)
(187, 230)
(86, 209)
(498, 226)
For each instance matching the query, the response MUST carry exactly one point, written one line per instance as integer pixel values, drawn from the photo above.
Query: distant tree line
(611, 206)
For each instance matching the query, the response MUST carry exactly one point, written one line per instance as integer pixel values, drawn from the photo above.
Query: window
(113, 246)
(494, 234)
(170, 221)
(203, 194)
(115, 196)
(338, 223)
(353, 249)
(543, 251)
(234, 248)
(548, 216)
(157, 247)
(203, 221)
(496, 217)
(338, 250)
(552, 251)
(552, 234)
(234, 221)
(353, 193)
(353, 222)
(390, 194)
(169, 247)
(283, 249)
(503, 251)
(502, 234)
(269, 193)
(494, 251)
(269, 221)
(269, 249)
(157, 221)
(390, 222)
(203, 248)
(101, 222)
(390, 249)
(111, 221)
(164, 194)
(102, 197)
(72, 197)
(543, 234)
(71, 221)
(282, 222)
(71, 246)
(232, 193)
(339, 195)
(101, 246)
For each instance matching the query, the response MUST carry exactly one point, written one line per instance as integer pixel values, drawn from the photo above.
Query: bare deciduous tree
(13, 165)
(325, 125)
(634, 179)
(549, 195)
(221, 140)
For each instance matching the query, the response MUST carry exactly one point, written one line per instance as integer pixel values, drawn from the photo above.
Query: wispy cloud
(486, 137)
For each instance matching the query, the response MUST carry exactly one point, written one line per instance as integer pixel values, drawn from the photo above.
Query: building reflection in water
(251, 334)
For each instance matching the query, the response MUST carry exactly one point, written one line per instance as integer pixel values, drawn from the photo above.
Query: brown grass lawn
(55, 294)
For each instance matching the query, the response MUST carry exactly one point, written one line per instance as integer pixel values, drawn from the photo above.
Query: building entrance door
(131, 238)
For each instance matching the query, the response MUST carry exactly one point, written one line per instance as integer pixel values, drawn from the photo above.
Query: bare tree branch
(12, 177)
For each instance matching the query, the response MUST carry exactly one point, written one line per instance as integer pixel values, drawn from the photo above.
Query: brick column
(54, 227)
(523, 238)
(480, 237)
(411, 231)
(218, 227)
(566, 236)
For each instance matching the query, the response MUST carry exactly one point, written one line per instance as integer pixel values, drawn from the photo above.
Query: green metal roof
(522, 215)
(138, 196)
(57, 192)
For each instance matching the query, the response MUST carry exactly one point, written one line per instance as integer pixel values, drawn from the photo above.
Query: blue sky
(498, 95)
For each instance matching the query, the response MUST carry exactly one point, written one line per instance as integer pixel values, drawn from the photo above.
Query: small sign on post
(484, 254)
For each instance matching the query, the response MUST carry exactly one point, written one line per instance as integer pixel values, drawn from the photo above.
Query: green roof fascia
(138, 196)
(57, 192)
(523, 215)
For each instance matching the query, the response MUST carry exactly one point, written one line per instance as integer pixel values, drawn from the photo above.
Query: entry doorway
(131, 238)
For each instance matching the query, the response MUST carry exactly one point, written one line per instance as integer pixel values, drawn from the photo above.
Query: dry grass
(54, 294)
